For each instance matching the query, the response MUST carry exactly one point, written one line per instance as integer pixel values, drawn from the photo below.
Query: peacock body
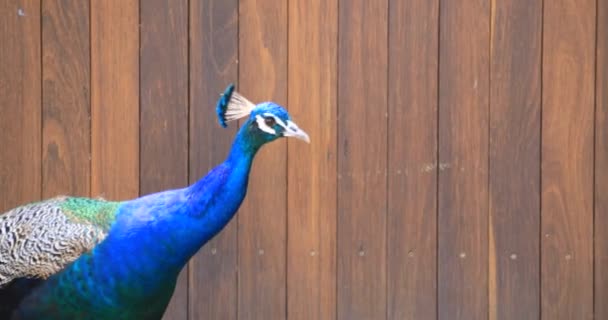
(81, 258)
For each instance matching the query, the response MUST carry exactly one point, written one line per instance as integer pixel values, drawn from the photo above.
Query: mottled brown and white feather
(38, 240)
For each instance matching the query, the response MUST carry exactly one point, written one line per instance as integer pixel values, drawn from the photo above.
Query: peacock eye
(269, 121)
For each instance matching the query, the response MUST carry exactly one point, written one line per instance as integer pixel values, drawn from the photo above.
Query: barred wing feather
(39, 239)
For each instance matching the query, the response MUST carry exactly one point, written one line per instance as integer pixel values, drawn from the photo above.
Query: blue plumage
(131, 274)
(222, 105)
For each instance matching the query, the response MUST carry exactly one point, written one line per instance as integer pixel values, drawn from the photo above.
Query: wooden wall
(459, 159)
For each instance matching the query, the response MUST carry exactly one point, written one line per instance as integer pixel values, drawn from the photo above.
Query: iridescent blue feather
(132, 271)
(222, 105)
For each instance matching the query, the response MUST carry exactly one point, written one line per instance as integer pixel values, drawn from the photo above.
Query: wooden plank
(463, 160)
(412, 160)
(262, 219)
(115, 99)
(164, 110)
(362, 159)
(514, 269)
(213, 55)
(20, 103)
(601, 163)
(567, 159)
(66, 167)
(312, 177)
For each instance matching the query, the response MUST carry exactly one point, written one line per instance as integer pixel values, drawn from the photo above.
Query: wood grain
(312, 179)
(601, 163)
(458, 160)
(213, 65)
(412, 160)
(362, 159)
(262, 220)
(463, 160)
(515, 93)
(164, 110)
(20, 103)
(66, 129)
(115, 99)
(567, 159)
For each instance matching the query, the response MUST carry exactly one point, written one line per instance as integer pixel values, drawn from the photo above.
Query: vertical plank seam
(188, 132)
(42, 122)
(90, 191)
(437, 159)
(139, 27)
(594, 178)
(139, 144)
(386, 167)
(540, 165)
(138, 95)
(286, 249)
(337, 251)
(41, 27)
(336, 181)
(237, 244)
(488, 170)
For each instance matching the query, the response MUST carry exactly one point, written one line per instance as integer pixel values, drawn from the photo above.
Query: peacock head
(266, 121)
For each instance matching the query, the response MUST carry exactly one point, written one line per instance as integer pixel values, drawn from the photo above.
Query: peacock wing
(39, 239)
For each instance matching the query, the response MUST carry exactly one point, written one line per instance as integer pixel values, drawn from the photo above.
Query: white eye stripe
(276, 119)
(263, 126)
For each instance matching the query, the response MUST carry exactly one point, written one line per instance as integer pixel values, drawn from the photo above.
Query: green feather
(100, 213)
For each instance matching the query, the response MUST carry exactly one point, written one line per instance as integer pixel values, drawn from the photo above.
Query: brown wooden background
(458, 166)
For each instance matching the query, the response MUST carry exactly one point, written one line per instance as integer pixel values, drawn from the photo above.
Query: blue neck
(242, 152)
(175, 224)
(135, 268)
(228, 177)
(215, 198)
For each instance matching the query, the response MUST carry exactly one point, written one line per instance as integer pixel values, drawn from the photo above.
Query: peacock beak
(292, 130)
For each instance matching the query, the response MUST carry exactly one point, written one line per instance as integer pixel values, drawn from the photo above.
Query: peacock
(84, 258)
